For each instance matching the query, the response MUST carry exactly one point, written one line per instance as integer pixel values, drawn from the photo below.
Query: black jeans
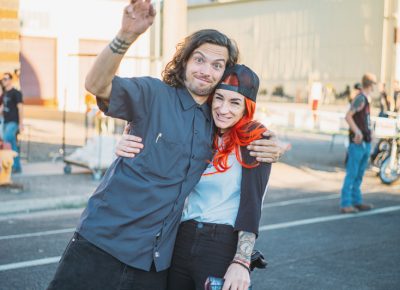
(85, 266)
(201, 250)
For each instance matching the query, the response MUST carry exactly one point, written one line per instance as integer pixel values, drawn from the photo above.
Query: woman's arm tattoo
(119, 46)
(245, 246)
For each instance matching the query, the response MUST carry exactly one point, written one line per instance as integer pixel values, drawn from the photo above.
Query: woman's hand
(129, 145)
(236, 278)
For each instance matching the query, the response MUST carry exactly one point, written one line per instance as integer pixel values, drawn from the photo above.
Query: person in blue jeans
(13, 116)
(358, 118)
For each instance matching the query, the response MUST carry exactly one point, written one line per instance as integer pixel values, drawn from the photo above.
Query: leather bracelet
(241, 264)
(244, 261)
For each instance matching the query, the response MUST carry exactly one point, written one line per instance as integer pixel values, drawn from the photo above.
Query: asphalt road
(308, 244)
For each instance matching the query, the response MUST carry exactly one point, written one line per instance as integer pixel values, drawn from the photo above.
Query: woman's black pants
(201, 250)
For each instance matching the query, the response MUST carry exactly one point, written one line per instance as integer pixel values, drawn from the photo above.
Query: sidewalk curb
(42, 204)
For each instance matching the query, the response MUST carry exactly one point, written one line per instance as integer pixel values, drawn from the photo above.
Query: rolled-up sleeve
(130, 98)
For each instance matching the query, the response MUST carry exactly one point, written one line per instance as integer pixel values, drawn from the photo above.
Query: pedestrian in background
(396, 96)
(358, 118)
(1, 110)
(384, 104)
(355, 92)
(13, 117)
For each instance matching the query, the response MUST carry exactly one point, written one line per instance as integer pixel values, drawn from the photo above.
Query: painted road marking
(268, 205)
(305, 200)
(285, 225)
(300, 200)
(27, 264)
(38, 234)
(328, 218)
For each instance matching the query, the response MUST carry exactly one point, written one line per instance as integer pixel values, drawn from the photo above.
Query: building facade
(59, 42)
(9, 36)
(294, 43)
(291, 44)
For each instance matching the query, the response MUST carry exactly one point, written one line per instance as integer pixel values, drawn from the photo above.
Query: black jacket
(253, 187)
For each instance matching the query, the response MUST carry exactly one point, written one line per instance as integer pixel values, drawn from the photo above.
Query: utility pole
(174, 26)
(390, 70)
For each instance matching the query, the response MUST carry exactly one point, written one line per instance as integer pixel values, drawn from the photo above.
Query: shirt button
(193, 156)
(196, 132)
(156, 255)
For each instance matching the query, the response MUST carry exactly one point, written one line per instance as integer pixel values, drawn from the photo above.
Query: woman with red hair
(221, 217)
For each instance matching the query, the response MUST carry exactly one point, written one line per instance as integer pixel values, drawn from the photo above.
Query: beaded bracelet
(241, 264)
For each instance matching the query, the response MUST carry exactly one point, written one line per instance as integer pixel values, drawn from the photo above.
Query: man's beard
(204, 92)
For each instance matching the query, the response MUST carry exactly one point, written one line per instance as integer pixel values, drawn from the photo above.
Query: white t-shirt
(216, 198)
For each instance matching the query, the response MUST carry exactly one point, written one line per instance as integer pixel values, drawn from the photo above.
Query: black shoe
(364, 207)
(348, 209)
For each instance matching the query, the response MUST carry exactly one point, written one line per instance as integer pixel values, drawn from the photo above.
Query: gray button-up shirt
(135, 211)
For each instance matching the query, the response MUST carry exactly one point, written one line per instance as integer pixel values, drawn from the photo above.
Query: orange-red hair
(241, 134)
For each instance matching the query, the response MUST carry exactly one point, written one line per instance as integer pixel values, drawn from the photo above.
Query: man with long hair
(125, 237)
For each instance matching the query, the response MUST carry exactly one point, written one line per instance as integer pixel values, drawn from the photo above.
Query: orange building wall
(9, 36)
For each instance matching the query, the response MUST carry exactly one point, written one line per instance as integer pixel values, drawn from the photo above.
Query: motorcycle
(380, 153)
(390, 167)
(389, 170)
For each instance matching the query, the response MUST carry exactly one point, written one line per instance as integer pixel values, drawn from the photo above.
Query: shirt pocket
(165, 160)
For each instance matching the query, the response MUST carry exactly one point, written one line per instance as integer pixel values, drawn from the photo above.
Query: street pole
(390, 71)
(174, 26)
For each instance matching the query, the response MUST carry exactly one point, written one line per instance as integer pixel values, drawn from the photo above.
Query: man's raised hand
(138, 17)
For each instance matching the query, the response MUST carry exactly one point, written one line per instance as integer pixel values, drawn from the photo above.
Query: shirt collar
(205, 108)
(188, 102)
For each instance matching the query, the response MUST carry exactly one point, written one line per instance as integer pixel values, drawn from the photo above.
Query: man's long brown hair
(174, 72)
